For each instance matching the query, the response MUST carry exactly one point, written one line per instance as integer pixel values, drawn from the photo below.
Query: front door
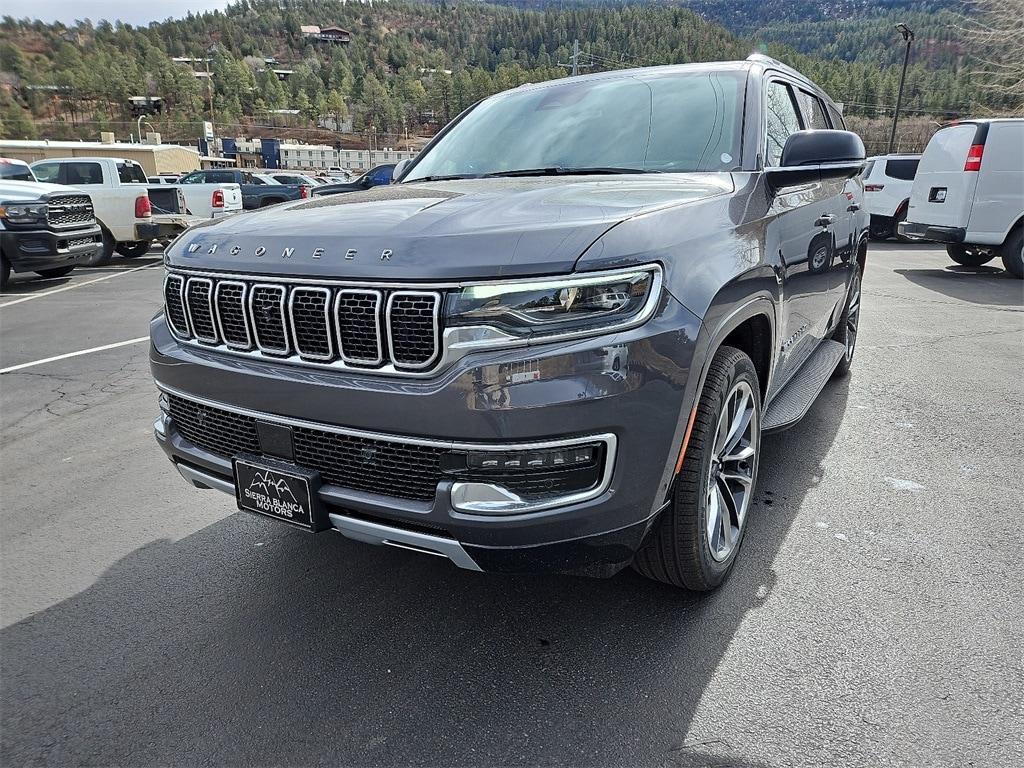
(806, 218)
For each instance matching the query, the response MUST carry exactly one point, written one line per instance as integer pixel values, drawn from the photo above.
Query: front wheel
(102, 255)
(695, 542)
(970, 255)
(134, 249)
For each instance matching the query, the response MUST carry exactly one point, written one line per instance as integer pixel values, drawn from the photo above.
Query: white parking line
(73, 354)
(78, 285)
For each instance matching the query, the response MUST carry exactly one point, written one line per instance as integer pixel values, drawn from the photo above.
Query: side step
(796, 398)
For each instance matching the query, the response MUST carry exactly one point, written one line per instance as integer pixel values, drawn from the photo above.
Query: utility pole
(575, 66)
(908, 36)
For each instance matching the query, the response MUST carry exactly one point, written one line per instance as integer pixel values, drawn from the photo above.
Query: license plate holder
(279, 490)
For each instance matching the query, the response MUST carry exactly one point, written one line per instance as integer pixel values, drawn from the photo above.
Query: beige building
(154, 158)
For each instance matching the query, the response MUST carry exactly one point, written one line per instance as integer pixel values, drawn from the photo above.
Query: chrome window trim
(326, 292)
(209, 305)
(284, 321)
(379, 297)
(435, 326)
(187, 335)
(245, 314)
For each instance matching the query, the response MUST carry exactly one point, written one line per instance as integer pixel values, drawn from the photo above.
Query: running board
(792, 403)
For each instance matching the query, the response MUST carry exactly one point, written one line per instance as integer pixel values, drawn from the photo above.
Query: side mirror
(811, 156)
(400, 168)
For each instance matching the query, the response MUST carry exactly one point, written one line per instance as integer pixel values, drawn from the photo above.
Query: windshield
(668, 122)
(15, 171)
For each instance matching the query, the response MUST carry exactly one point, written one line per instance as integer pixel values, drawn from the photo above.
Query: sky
(139, 12)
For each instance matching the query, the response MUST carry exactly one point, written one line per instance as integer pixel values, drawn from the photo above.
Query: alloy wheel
(731, 475)
(853, 317)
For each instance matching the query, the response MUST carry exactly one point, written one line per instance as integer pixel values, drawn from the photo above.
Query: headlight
(575, 305)
(23, 213)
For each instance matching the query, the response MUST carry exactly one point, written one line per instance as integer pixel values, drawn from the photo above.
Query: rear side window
(905, 170)
(837, 119)
(130, 173)
(194, 178)
(83, 174)
(814, 113)
(783, 121)
(868, 168)
(220, 177)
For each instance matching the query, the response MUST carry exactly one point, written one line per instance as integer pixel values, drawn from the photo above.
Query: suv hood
(30, 190)
(472, 228)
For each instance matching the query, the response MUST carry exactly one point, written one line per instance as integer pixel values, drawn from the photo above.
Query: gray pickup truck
(553, 345)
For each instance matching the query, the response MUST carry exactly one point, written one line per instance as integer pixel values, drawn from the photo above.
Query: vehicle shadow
(250, 643)
(987, 285)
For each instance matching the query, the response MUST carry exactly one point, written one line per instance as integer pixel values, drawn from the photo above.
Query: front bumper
(630, 385)
(931, 232)
(40, 249)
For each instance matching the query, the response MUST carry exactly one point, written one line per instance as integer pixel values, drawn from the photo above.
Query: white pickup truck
(120, 195)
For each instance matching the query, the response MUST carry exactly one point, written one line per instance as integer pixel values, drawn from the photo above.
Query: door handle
(853, 208)
(825, 220)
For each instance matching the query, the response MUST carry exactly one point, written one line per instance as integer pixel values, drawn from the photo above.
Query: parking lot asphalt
(874, 617)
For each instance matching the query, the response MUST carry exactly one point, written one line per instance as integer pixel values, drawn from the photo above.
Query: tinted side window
(79, 174)
(199, 177)
(47, 172)
(868, 169)
(220, 177)
(902, 169)
(783, 121)
(814, 113)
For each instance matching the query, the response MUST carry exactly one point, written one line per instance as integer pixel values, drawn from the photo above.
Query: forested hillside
(409, 67)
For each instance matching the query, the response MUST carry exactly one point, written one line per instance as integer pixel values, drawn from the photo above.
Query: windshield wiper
(560, 171)
(450, 177)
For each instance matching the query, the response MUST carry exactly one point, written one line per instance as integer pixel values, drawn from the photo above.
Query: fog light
(527, 478)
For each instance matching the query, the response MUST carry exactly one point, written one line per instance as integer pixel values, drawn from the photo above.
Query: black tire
(103, 255)
(134, 249)
(5, 273)
(58, 272)
(677, 550)
(970, 255)
(849, 323)
(880, 228)
(1012, 253)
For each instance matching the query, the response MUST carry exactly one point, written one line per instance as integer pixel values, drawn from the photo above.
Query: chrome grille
(230, 305)
(67, 210)
(266, 306)
(343, 326)
(199, 304)
(174, 302)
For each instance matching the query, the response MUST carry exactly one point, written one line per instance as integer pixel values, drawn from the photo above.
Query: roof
(82, 145)
(309, 29)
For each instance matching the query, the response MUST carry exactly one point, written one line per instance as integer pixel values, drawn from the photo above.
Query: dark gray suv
(552, 345)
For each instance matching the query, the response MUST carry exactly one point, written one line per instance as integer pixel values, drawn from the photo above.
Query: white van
(969, 193)
(888, 180)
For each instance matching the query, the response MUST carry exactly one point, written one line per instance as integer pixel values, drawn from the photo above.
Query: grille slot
(393, 331)
(357, 314)
(360, 463)
(67, 210)
(412, 319)
(199, 302)
(309, 309)
(229, 299)
(266, 307)
(214, 429)
(174, 300)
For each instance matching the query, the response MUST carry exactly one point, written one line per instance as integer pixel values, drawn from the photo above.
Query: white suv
(888, 180)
